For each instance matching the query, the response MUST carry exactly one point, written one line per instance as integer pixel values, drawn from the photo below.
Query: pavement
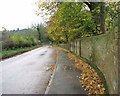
(65, 78)
(27, 73)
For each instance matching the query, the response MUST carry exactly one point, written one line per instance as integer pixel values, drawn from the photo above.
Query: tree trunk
(99, 18)
(102, 17)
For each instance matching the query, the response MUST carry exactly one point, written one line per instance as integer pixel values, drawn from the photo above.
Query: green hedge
(19, 42)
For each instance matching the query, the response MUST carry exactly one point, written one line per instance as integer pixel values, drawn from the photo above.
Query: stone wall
(102, 51)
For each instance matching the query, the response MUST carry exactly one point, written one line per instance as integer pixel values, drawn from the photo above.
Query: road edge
(51, 78)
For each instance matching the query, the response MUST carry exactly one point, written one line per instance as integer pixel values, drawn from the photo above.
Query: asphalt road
(27, 73)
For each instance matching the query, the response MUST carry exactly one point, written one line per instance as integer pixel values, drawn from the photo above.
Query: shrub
(17, 41)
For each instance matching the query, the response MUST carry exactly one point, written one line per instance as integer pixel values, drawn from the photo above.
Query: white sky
(18, 14)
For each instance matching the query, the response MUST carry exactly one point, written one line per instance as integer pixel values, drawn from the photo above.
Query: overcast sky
(18, 14)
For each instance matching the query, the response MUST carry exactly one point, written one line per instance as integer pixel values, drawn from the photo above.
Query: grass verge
(12, 52)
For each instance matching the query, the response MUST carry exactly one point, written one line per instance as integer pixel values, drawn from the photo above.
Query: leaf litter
(89, 78)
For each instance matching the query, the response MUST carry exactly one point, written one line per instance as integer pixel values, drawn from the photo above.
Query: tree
(71, 21)
(5, 34)
(17, 29)
(98, 11)
(102, 14)
(111, 16)
(42, 33)
(4, 29)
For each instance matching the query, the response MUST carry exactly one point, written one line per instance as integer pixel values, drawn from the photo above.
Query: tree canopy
(72, 20)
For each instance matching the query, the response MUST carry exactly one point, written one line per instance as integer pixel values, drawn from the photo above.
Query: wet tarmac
(27, 73)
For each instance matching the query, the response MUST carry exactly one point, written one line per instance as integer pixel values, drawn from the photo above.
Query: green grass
(12, 52)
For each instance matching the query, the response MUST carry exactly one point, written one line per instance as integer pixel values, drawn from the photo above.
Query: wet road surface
(27, 73)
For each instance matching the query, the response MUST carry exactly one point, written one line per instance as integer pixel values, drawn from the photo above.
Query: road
(27, 73)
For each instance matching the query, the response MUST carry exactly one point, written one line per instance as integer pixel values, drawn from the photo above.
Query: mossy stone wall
(101, 50)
